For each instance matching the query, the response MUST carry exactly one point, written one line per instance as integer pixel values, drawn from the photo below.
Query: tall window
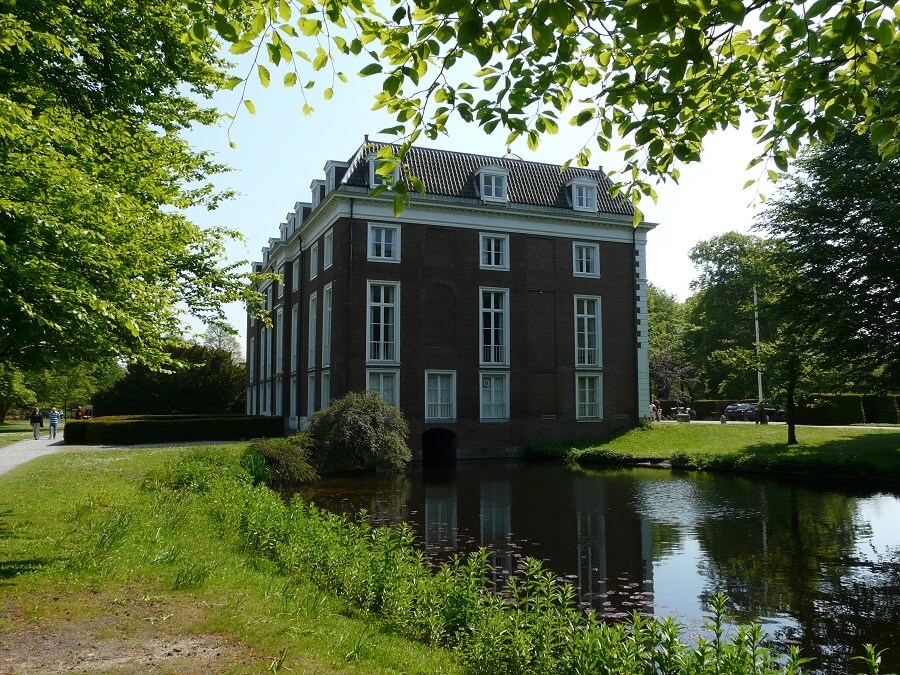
(281, 281)
(384, 322)
(292, 397)
(295, 343)
(384, 243)
(494, 326)
(587, 331)
(311, 333)
(440, 395)
(295, 273)
(326, 326)
(313, 260)
(588, 399)
(310, 394)
(494, 251)
(328, 256)
(265, 354)
(494, 396)
(385, 383)
(586, 260)
(251, 359)
(326, 389)
(279, 340)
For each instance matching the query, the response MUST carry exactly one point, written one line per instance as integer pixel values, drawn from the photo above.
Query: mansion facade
(505, 306)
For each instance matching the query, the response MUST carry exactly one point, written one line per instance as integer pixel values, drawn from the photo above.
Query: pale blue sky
(280, 151)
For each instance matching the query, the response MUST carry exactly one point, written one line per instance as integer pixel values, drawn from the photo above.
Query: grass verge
(98, 574)
(822, 451)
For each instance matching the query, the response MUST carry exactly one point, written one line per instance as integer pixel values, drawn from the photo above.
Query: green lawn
(12, 431)
(871, 453)
(89, 558)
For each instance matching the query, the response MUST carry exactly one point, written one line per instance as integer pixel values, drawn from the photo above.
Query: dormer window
(492, 184)
(317, 187)
(377, 178)
(583, 195)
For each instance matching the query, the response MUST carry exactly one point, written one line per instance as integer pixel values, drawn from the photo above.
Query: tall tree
(662, 75)
(666, 325)
(95, 256)
(721, 313)
(220, 335)
(838, 217)
(204, 381)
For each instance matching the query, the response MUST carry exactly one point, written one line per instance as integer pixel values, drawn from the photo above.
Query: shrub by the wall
(881, 409)
(286, 459)
(359, 431)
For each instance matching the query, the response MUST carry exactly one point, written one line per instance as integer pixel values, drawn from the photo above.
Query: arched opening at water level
(438, 446)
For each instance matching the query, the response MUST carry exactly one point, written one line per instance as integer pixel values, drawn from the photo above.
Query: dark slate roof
(454, 174)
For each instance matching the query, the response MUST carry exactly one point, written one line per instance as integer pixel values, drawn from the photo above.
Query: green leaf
(290, 79)
(232, 82)
(732, 11)
(263, 73)
(371, 69)
(241, 47)
(650, 19)
(249, 105)
(328, 93)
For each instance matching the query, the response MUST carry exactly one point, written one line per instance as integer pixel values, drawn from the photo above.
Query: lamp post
(760, 412)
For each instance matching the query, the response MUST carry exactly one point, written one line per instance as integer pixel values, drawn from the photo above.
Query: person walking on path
(54, 420)
(37, 421)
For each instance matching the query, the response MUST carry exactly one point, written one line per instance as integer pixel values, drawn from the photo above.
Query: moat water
(817, 565)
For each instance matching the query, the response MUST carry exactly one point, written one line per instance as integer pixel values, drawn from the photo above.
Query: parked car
(773, 413)
(736, 411)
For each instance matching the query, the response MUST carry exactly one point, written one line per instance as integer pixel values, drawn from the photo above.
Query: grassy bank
(175, 560)
(13, 431)
(825, 451)
(98, 572)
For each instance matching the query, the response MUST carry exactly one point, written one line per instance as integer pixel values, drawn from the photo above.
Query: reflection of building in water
(440, 519)
(591, 555)
(496, 526)
(614, 547)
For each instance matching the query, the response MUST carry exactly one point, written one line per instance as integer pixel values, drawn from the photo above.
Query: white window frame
(295, 342)
(378, 375)
(504, 327)
(493, 184)
(485, 238)
(582, 412)
(296, 274)
(251, 359)
(326, 388)
(452, 402)
(375, 178)
(577, 262)
(585, 355)
(328, 254)
(311, 331)
(584, 196)
(395, 325)
(314, 261)
(371, 243)
(281, 281)
(279, 340)
(310, 393)
(326, 325)
(266, 354)
(487, 378)
(279, 396)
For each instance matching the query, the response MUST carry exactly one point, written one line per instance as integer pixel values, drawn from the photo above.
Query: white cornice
(537, 221)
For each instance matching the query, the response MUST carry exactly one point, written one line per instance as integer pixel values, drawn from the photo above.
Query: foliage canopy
(663, 74)
(96, 258)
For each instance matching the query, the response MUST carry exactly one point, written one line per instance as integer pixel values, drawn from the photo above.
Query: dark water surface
(817, 565)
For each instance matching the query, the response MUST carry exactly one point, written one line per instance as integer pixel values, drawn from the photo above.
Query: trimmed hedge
(881, 409)
(828, 409)
(133, 430)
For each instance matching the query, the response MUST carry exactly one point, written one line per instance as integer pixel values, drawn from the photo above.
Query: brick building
(505, 306)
